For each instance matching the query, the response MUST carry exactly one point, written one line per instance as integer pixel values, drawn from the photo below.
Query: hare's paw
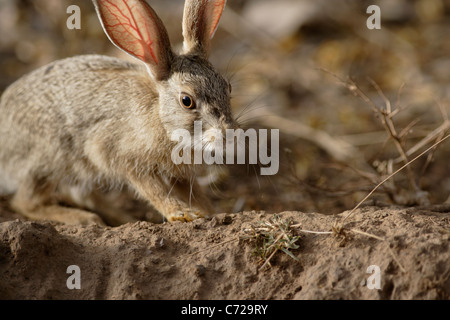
(186, 215)
(89, 219)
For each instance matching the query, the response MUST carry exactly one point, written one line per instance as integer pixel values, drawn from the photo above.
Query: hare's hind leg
(115, 206)
(108, 205)
(33, 200)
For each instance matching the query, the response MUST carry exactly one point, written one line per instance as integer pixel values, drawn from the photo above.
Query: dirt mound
(209, 260)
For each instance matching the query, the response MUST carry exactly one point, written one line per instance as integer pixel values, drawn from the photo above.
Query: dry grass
(271, 236)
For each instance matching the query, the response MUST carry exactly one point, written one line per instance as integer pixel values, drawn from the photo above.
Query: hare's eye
(230, 88)
(187, 101)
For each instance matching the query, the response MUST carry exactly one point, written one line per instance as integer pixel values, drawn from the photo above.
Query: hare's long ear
(200, 22)
(133, 26)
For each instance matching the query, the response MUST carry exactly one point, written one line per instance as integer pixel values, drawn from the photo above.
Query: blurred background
(309, 68)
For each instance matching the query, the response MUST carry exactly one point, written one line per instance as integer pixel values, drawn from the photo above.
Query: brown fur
(84, 123)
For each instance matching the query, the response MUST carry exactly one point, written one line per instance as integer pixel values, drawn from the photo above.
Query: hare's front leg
(173, 200)
(191, 193)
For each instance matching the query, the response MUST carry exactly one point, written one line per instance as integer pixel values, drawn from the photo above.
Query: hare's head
(189, 87)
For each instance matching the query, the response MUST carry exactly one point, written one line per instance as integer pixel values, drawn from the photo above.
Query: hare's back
(69, 92)
(47, 115)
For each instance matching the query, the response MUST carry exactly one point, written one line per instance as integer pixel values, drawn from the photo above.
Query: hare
(72, 127)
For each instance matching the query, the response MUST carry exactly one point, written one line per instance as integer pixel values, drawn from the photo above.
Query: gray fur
(92, 122)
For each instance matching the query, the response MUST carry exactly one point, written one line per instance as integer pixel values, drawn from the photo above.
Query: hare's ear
(200, 22)
(134, 27)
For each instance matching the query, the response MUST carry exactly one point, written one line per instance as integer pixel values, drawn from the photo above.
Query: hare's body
(55, 135)
(90, 122)
(53, 148)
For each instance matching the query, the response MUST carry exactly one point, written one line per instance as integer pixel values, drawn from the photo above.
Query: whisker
(247, 106)
(246, 112)
(191, 184)
(171, 189)
(257, 178)
(252, 119)
(213, 186)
